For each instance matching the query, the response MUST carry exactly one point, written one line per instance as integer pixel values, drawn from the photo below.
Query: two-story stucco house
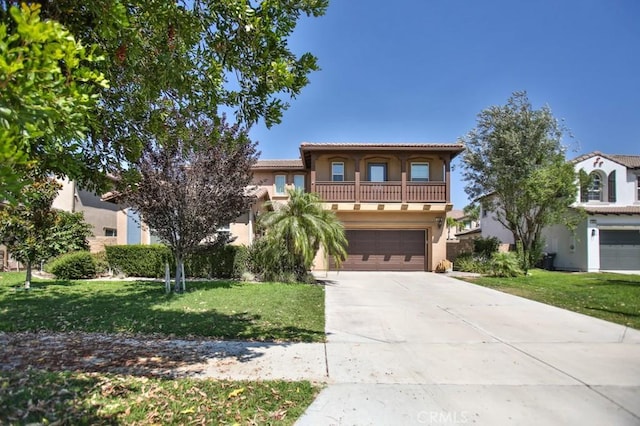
(608, 237)
(391, 198)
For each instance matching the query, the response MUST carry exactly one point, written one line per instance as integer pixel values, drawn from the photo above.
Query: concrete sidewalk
(421, 348)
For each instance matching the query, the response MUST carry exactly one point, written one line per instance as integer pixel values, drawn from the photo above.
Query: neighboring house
(391, 198)
(131, 230)
(101, 215)
(608, 238)
(469, 234)
(451, 231)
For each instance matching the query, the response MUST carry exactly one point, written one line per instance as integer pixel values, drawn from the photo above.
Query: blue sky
(421, 71)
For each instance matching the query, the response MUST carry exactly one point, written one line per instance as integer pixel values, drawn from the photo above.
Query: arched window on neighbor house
(595, 188)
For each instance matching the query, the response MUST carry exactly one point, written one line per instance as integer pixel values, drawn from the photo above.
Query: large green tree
(514, 163)
(48, 93)
(200, 55)
(33, 231)
(301, 227)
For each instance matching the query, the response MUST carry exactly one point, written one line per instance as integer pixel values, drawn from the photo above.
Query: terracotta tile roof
(630, 161)
(612, 210)
(278, 164)
(456, 214)
(256, 191)
(394, 145)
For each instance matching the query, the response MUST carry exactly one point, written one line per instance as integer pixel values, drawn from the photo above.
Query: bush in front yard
(139, 260)
(469, 262)
(505, 265)
(73, 266)
(486, 247)
(220, 261)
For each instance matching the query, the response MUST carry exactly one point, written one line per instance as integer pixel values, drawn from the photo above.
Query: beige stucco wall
(266, 179)
(394, 166)
(121, 223)
(99, 214)
(65, 198)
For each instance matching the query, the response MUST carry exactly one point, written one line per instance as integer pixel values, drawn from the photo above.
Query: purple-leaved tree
(192, 183)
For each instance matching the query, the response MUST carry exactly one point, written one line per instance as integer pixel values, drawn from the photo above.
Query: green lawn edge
(608, 296)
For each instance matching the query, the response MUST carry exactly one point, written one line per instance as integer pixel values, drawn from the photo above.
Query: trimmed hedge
(139, 260)
(73, 266)
(225, 261)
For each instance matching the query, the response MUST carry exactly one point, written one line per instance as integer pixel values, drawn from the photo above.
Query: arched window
(595, 188)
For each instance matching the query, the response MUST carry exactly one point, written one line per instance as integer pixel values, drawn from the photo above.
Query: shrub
(270, 261)
(485, 247)
(102, 265)
(505, 265)
(217, 261)
(469, 262)
(139, 260)
(73, 266)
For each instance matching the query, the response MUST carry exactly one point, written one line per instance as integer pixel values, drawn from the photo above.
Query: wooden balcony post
(313, 173)
(403, 174)
(447, 179)
(357, 179)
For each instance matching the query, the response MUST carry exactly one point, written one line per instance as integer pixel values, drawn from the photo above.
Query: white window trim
(275, 185)
(304, 181)
(600, 191)
(336, 174)
(422, 163)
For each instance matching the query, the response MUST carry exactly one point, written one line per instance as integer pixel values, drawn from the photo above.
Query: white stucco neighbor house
(608, 238)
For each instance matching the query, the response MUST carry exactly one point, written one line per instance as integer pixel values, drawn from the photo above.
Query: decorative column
(447, 178)
(357, 179)
(313, 172)
(403, 174)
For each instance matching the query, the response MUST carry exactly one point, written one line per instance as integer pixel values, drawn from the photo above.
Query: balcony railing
(372, 192)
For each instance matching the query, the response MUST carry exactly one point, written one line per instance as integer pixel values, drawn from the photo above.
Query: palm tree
(451, 222)
(304, 227)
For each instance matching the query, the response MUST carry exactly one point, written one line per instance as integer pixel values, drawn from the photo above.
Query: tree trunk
(176, 286)
(184, 282)
(167, 278)
(27, 281)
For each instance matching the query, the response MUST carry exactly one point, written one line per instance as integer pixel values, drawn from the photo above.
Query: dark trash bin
(548, 260)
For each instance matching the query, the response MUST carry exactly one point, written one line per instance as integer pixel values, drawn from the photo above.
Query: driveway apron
(422, 348)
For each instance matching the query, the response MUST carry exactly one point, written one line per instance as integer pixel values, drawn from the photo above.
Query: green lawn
(216, 309)
(612, 297)
(36, 397)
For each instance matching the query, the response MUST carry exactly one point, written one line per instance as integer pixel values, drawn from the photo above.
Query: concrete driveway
(421, 348)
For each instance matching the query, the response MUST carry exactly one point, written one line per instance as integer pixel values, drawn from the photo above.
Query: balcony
(382, 192)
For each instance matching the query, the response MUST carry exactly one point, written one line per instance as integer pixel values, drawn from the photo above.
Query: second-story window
(280, 184)
(337, 171)
(377, 172)
(638, 185)
(420, 172)
(298, 182)
(595, 188)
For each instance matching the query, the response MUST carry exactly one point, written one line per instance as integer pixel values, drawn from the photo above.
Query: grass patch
(611, 297)
(99, 399)
(216, 310)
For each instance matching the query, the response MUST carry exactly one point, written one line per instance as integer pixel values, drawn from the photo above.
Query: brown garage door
(385, 250)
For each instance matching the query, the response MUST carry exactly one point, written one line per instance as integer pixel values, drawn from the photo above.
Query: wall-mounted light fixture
(593, 232)
(439, 221)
